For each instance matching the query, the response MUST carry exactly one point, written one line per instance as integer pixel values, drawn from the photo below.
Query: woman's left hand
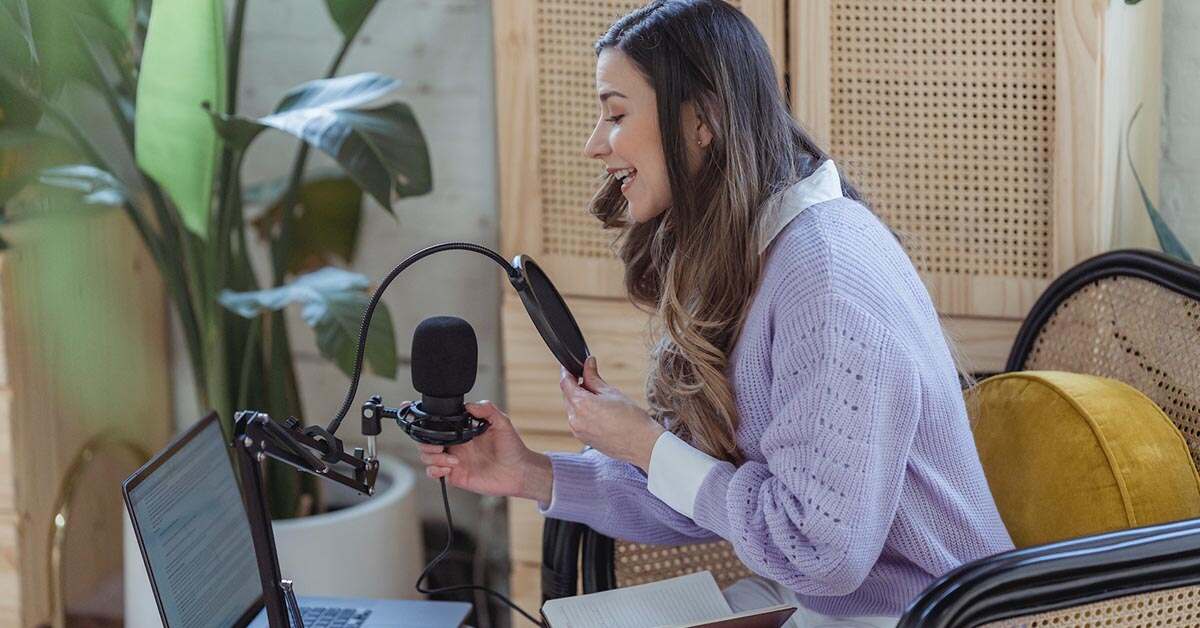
(603, 417)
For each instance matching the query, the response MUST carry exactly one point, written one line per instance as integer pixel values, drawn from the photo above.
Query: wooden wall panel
(616, 334)
(988, 133)
(47, 415)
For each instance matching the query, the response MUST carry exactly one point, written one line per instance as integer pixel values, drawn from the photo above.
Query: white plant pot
(369, 547)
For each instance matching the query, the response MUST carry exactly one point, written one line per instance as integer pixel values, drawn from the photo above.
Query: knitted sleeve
(610, 496)
(846, 399)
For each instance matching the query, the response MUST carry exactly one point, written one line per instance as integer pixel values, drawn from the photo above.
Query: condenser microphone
(445, 357)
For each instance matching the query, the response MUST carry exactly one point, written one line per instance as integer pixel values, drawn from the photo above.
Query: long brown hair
(696, 264)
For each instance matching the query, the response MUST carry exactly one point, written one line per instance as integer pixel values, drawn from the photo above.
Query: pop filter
(550, 315)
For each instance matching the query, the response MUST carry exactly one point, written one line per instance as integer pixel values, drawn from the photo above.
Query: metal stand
(257, 437)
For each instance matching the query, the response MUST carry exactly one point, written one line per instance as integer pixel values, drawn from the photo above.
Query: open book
(691, 601)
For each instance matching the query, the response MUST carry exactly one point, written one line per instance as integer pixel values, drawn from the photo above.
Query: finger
(482, 409)
(568, 385)
(487, 411)
(591, 375)
(437, 472)
(440, 460)
(430, 449)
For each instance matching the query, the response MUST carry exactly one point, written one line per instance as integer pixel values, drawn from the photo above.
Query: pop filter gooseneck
(546, 307)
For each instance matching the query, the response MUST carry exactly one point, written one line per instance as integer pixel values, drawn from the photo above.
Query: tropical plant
(167, 74)
(1167, 240)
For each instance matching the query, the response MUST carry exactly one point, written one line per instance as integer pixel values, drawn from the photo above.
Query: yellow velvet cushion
(1068, 455)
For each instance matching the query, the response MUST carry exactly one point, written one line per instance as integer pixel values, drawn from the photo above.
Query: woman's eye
(615, 119)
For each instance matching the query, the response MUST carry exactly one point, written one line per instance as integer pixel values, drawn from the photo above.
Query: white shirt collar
(824, 184)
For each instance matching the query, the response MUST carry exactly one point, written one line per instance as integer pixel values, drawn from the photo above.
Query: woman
(804, 404)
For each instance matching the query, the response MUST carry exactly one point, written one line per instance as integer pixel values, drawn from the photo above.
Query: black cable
(462, 587)
(512, 273)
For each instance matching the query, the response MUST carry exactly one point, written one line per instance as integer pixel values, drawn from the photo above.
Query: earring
(700, 142)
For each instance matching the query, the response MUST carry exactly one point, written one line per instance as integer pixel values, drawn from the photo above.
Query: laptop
(191, 524)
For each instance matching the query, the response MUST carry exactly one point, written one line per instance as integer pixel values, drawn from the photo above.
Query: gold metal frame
(62, 507)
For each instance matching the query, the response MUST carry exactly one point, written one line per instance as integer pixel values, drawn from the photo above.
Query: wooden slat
(524, 522)
(8, 488)
(514, 28)
(769, 17)
(975, 295)
(1078, 27)
(594, 277)
(809, 67)
(10, 585)
(616, 335)
(55, 406)
(525, 583)
(983, 343)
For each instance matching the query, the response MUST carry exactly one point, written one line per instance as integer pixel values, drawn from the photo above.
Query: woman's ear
(695, 126)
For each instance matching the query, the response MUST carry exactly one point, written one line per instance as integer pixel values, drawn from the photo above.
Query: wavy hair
(696, 264)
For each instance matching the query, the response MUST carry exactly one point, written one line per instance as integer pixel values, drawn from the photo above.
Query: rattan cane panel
(1169, 607)
(1134, 331)
(568, 110)
(637, 563)
(943, 111)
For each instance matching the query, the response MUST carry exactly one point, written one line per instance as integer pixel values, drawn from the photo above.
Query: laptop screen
(194, 532)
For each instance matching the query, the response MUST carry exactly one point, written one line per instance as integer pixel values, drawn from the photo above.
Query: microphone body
(445, 358)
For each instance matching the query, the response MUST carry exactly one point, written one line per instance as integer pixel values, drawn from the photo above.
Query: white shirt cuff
(676, 472)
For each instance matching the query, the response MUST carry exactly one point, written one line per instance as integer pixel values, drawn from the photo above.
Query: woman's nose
(597, 145)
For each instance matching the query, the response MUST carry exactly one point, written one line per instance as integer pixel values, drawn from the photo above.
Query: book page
(686, 599)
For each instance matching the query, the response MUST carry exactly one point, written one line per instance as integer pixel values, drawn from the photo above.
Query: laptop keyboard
(333, 616)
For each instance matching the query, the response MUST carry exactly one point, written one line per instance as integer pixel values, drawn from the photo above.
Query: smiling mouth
(625, 177)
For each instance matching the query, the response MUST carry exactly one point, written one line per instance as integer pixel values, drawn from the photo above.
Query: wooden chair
(1130, 315)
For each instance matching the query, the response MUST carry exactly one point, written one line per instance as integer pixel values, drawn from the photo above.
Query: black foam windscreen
(445, 357)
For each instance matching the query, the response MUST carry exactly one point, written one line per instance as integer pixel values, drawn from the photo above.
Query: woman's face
(627, 137)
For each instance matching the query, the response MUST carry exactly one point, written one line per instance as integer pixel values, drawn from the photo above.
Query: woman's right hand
(496, 462)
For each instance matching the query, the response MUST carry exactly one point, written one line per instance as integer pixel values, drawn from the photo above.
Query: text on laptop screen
(196, 535)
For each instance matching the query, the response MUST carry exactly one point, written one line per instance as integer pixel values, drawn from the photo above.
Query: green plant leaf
(382, 149)
(349, 15)
(1167, 240)
(16, 36)
(337, 336)
(116, 13)
(183, 66)
(333, 303)
(19, 66)
(326, 227)
(94, 24)
(265, 194)
(62, 31)
(343, 92)
(97, 186)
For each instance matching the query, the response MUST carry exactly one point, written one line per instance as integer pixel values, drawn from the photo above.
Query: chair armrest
(1061, 575)
(599, 562)
(560, 558)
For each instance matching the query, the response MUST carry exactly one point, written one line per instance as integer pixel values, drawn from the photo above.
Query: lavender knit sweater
(861, 482)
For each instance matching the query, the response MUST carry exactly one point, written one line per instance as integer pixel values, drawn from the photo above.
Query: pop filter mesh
(445, 357)
(555, 311)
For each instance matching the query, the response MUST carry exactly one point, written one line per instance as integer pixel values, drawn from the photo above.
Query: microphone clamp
(423, 427)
